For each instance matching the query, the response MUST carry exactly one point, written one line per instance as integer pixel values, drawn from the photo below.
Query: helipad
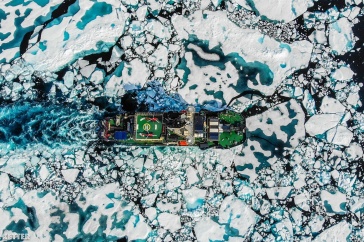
(148, 126)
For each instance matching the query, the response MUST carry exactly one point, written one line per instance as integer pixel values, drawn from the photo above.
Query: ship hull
(205, 129)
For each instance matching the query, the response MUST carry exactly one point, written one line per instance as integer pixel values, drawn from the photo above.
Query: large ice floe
(277, 10)
(52, 49)
(292, 68)
(261, 61)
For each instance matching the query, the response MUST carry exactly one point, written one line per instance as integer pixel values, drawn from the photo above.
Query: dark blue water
(52, 125)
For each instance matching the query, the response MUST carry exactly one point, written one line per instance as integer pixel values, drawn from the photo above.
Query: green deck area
(148, 127)
(229, 139)
(231, 117)
(112, 122)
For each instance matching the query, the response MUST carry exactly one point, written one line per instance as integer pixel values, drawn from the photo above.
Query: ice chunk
(318, 36)
(113, 87)
(237, 215)
(283, 230)
(68, 79)
(280, 10)
(243, 3)
(207, 230)
(15, 165)
(135, 73)
(17, 87)
(339, 136)
(341, 36)
(334, 202)
(316, 223)
(343, 73)
(320, 123)
(338, 232)
(70, 175)
(194, 197)
(169, 221)
(192, 177)
(151, 213)
(158, 29)
(142, 12)
(353, 99)
(79, 156)
(149, 200)
(331, 105)
(280, 193)
(205, 4)
(309, 103)
(137, 228)
(159, 57)
(354, 151)
(303, 201)
(97, 77)
(87, 70)
(7, 91)
(43, 172)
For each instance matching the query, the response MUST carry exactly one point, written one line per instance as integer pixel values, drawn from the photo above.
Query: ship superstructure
(205, 129)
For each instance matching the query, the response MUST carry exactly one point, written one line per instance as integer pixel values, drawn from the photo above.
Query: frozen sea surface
(293, 68)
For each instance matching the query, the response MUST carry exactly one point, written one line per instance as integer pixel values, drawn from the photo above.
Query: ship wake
(52, 125)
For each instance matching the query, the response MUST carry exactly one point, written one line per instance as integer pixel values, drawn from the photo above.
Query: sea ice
(339, 136)
(280, 193)
(343, 74)
(84, 38)
(169, 221)
(280, 10)
(341, 37)
(194, 197)
(207, 230)
(237, 215)
(280, 121)
(334, 202)
(272, 53)
(331, 105)
(320, 123)
(338, 232)
(70, 175)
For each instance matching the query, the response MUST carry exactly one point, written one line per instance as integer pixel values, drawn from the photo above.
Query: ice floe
(341, 37)
(338, 232)
(272, 53)
(280, 10)
(84, 36)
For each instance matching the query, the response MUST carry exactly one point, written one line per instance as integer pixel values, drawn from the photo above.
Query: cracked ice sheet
(96, 203)
(338, 232)
(238, 215)
(281, 127)
(97, 36)
(29, 14)
(341, 36)
(330, 125)
(216, 28)
(200, 82)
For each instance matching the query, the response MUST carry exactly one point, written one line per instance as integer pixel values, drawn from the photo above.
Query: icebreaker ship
(206, 129)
